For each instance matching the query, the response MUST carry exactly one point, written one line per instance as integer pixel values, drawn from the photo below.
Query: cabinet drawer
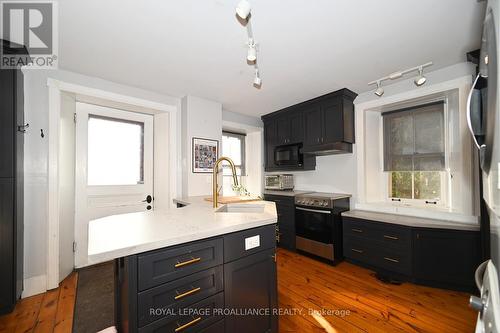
(166, 265)
(359, 228)
(387, 234)
(286, 218)
(179, 293)
(393, 261)
(193, 319)
(376, 254)
(280, 200)
(218, 327)
(286, 239)
(235, 243)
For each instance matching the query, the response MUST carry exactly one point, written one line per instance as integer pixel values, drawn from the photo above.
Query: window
(233, 146)
(414, 153)
(115, 151)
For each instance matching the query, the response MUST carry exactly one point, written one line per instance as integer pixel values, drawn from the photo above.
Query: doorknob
(148, 199)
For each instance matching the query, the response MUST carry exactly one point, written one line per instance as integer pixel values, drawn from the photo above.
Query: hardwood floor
(351, 299)
(48, 312)
(313, 297)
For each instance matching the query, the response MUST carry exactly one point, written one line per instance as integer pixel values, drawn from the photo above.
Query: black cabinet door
(333, 123)
(296, 128)
(7, 297)
(19, 186)
(250, 284)
(7, 122)
(270, 136)
(313, 126)
(446, 258)
(283, 130)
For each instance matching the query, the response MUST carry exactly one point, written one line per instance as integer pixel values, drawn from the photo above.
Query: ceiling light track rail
(420, 79)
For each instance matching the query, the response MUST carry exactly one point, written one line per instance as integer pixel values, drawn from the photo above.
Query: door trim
(55, 87)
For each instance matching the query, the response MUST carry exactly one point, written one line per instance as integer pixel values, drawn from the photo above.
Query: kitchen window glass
(115, 151)
(414, 152)
(233, 146)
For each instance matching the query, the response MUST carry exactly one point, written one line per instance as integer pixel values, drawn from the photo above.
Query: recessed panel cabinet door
(6, 244)
(283, 130)
(250, 285)
(296, 128)
(313, 126)
(270, 141)
(7, 123)
(332, 121)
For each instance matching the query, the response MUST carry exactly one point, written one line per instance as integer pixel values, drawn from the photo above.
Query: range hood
(328, 149)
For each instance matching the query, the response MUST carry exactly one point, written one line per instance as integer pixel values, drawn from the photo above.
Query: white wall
(36, 154)
(201, 118)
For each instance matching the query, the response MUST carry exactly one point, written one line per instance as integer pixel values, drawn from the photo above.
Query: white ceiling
(308, 48)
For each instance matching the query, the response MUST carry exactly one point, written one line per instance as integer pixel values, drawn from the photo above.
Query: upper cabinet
(322, 126)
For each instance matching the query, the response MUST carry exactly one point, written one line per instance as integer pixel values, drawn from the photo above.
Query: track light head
(379, 91)
(243, 9)
(252, 50)
(257, 81)
(420, 79)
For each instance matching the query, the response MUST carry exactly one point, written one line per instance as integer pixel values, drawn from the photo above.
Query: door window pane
(115, 151)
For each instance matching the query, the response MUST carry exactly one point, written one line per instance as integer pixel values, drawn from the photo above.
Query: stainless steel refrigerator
(484, 122)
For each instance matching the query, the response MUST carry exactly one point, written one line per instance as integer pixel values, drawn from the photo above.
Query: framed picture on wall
(205, 154)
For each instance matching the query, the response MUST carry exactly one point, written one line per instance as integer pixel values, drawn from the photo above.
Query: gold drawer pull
(191, 323)
(187, 293)
(356, 230)
(390, 259)
(391, 237)
(188, 262)
(356, 250)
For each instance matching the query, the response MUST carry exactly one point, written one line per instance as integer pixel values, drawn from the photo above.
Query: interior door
(114, 167)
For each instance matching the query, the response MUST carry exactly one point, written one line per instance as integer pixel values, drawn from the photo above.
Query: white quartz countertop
(411, 221)
(121, 235)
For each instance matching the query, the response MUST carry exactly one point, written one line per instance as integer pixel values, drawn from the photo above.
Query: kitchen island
(192, 269)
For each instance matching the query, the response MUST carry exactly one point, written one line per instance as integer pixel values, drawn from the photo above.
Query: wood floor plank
(407, 307)
(47, 316)
(66, 305)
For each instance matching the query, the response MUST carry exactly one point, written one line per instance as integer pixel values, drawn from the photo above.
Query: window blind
(414, 138)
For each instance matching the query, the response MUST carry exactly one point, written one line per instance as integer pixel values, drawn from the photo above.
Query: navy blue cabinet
(195, 287)
(11, 183)
(440, 258)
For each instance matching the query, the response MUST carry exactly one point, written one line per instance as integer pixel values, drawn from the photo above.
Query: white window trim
(366, 199)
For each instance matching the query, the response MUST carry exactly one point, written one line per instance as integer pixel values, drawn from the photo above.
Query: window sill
(438, 213)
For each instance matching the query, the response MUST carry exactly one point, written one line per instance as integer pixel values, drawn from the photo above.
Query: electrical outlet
(252, 242)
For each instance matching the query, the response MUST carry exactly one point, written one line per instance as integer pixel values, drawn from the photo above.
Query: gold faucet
(215, 191)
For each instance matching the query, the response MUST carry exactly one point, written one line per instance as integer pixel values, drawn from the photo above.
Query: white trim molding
(56, 87)
(34, 285)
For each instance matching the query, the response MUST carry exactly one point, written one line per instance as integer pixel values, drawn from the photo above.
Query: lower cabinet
(285, 207)
(446, 257)
(250, 285)
(440, 258)
(201, 286)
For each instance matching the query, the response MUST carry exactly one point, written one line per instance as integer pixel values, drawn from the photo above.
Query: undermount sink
(241, 208)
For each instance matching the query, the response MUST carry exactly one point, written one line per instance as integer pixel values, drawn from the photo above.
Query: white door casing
(94, 201)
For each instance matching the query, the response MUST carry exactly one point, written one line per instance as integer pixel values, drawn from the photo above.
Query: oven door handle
(314, 210)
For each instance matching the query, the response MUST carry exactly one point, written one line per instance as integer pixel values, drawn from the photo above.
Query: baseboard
(34, 285)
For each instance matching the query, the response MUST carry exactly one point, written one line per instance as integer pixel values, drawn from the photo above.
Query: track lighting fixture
(420, 79)
(243, 9)
(243, 12)
(379, 91)
(252, 51)
(257, 81)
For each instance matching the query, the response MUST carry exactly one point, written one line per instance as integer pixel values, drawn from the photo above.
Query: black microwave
(289, 155)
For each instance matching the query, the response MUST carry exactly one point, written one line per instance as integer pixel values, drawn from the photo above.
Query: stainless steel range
(318, 224)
